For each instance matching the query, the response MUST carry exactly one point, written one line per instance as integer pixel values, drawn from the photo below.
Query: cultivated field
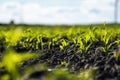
(60, 52)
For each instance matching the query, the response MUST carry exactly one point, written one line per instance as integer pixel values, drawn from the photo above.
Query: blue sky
(57, 11)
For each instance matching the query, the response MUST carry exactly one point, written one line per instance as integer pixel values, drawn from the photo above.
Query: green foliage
(12, 36)
(84, 45)
(12, 60)
(63, 44)
(38, 38)
(87, 74)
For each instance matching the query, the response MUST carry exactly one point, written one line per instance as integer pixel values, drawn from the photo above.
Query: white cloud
(89, 11)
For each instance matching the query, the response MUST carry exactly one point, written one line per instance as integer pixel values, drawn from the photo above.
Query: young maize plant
(42, 43)
(85, 40)
(63, 44)
(54, 40)
(14, 62)
(49, 45)
(12, 37)
(104, 36)
(75, 42)
(87, 74)
(83, 45)
(116, 52)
